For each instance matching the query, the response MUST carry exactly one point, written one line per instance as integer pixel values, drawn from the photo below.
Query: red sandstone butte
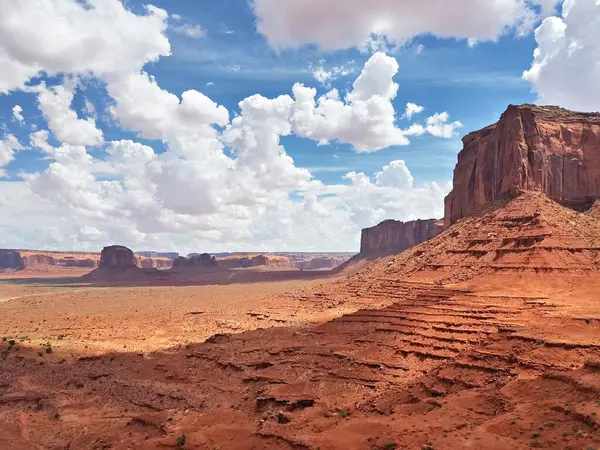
(392, 236)
(539, 148)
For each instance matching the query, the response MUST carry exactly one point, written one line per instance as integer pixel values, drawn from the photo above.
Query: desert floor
(77, 318)
(504, 363)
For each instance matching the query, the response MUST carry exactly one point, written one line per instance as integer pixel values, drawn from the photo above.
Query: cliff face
(547, 149)
(392, 236)
(11, 259)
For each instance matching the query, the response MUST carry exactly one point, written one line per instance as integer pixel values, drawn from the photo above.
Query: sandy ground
(91, 319)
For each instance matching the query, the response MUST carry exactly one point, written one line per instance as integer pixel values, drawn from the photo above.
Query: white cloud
(8, 147)
(293, 23)
(193, 31)
(438, 126)
(322, 75)
(89, 108)
(55, 104)
(366, 119)
(411, 110)
(565, 69)
(219, 183)
(66, 36)
(141, 105)
(395, 174)
(325, 77)
(18, 113)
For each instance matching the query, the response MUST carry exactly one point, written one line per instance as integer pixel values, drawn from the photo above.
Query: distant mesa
(393, 236)
(247, 261)
(195, 260)
(539, 148)
(13, 259)
(321, 262)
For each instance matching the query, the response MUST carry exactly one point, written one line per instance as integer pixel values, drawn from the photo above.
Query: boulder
(539, 148)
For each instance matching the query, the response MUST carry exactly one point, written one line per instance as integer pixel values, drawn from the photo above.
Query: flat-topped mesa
(117, 257)
(195, 260)
(393, 236)
(259, 260)
(539, 148)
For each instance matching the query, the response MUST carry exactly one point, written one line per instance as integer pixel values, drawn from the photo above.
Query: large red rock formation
(393, 236)
(117, 257)
(540, 148)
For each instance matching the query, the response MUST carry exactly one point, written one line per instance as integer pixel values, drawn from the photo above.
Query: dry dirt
(499, 349)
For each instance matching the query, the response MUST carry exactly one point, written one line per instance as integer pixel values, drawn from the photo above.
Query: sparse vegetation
(535, 435)
(343, 414)
(181, 440)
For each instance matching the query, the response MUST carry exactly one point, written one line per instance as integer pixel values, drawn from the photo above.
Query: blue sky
(473, 84)
(227, 58)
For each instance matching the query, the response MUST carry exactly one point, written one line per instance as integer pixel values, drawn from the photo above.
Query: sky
(261, 125)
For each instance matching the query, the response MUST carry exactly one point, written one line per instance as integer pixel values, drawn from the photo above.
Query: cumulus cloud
(411, 110)
(8, 147)
(100, 37)
(365, 118)
(395, 174)
(141, 105)
(438, 125)
(220, 182)
(55, 104)
(17, 112)
(293, 23)
(565, 68)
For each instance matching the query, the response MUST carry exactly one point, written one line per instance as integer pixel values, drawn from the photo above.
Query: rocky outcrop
(246, 261)
(321, 263)
(117, 257)
(11, 259)
(539, 148)
(393, 236)
(195, 260)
